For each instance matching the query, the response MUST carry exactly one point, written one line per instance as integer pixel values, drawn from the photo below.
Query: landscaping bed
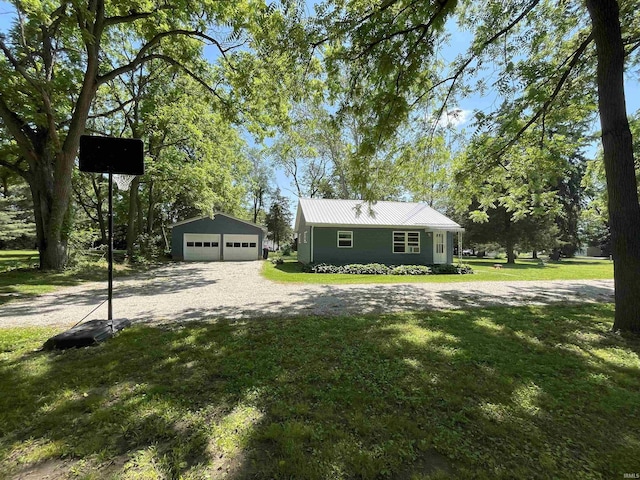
(381, 269)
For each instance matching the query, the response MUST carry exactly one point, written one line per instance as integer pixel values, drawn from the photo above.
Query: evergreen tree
(279, 219)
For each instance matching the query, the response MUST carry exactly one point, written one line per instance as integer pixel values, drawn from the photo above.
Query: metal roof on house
(318, 211)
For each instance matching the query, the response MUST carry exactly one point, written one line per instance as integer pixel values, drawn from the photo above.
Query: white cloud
(454, 118)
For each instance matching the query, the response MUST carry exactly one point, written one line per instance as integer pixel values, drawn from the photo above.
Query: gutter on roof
(418, 227)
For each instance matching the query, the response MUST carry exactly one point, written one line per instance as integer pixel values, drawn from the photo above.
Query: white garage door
(240, 247)
(201, 246)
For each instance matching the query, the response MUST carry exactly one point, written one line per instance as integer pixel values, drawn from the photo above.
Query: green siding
(370, 245)
(220, 224)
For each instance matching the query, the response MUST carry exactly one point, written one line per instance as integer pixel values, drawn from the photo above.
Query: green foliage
(17, 227)
(277, 260)
(111, 62)
(380, 269)
(412, 270)
(483, 271)
(286, 249)
(385, 50)
(278, 219)
(80, 243)
(148, 248)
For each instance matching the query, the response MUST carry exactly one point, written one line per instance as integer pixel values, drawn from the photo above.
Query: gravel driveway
(196, 291)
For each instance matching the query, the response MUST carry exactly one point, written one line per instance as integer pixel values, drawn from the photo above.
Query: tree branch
(176, 63)
(456, 76)
(14, 167)
(22, 133)
(422, 26)
(563, 79)
(143, 55)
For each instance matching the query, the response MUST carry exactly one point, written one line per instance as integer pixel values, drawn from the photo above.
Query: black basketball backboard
(111, 155)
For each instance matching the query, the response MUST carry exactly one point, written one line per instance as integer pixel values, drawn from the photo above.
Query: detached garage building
(221, 237)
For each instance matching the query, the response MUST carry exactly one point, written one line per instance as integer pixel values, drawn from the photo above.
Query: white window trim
(443, 244)
(406, 242)
(350, 232)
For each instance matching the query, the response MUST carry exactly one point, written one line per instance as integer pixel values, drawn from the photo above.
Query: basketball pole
(110, 253)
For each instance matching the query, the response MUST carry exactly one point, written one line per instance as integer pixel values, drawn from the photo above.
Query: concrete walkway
(199, 291)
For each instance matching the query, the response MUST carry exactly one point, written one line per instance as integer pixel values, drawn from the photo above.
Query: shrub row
(380, 269)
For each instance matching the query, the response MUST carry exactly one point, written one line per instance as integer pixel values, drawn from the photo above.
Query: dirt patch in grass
(52, 469)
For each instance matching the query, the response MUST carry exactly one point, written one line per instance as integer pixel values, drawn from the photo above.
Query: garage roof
(189, 220)
(330, 212)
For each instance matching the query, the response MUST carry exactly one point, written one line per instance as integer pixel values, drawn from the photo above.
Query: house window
(406, 242)
(345, 239)
(304, 237)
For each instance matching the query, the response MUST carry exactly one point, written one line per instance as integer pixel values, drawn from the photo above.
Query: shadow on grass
(23, 283)
(487, 393)
(289, 267)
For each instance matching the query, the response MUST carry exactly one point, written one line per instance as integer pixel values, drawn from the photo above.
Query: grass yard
(497, 393)
(20, 277)
(524, 269)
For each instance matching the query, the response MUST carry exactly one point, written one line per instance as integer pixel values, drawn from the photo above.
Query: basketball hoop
(123, 181)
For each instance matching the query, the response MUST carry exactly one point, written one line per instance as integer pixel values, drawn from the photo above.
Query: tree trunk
(624, 210)
(99, 211)
(534, 255)
(511, 256)
(133, 215)
(150, 218)
(51, 191)
(509, 243)
(140, 214)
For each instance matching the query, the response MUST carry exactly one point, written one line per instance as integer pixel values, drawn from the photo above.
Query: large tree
(543, 55)
(54, 61)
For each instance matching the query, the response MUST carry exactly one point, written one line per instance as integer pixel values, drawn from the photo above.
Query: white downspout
(311, 252)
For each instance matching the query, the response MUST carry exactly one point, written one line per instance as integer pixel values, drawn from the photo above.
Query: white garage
(201, 246)
(240, 247)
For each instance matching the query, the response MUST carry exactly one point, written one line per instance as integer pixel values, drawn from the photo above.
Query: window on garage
(214, 244)
(236, 244)
(189, 244)
(229, 245)
(253, 245)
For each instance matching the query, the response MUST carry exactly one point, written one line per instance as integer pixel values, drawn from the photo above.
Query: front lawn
(21, 278)
(523, 269)
(488, 393)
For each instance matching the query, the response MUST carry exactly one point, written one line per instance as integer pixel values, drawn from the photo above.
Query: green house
(340, 232)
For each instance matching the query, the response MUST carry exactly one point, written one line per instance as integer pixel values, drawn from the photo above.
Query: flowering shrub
(380, 269)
